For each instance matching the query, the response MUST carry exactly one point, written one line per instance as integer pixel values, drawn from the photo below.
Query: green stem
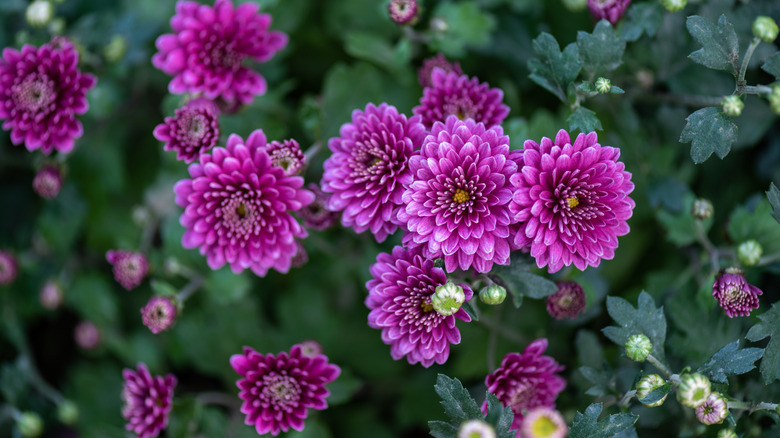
(767, 259)
(746, 60)
(218, 398)
(752, 406)
(491, 349)
(623, 403)
(661, 367)
(701, 236)
(194, 284)
(753, 89)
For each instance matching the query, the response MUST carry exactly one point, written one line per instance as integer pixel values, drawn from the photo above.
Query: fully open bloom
(237, 207)
(525, 381)
(425, 73)
(369, 168)
(159, 314)
(399, 297)
(571, 201)
(457, 206)
(735, 295)
(456, 94)
(611, 10)
(41, 91)
(206, 52)
(130, 267)
(403, 11)
(287, 154)
(193, 130)
(279, 390)
(147, 401)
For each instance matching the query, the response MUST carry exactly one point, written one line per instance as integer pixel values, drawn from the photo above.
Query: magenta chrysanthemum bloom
(87, 335)
(425, 73)
(8, 268)
(278, 391)
(457, 94)
(47, 182)
(159, 314)
(194, 130)
(236, 207)
(316, 215)
(403, 11)
(611, 10)
(714, 410)
(41, 91)
(206, 52)
(571, 201)
(567, 302)
(301, 257)
(130, 267)
(457, 207)
(369, 168)
(734, 294)
(525, 381)
(287, 155)
(147, 401)
(399, 297)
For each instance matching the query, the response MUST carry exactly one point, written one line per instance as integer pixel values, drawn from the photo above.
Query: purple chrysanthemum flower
(369, 168)
(714, 410)
(311, 348)
(8, 268)
(301, 257)
(425, 73)
(525, 381)
(571, 201)
(316, 215)
(41, 91)
(50, 295)
(403, 11)
(48, 181)
(236, 207)
(87, 335)
(457, 206)
(567, 302)
(194, 130)
(130, 267)
(399, 297)
(206, 52)
(457, 94)
(147, 401)
(286, 154)
(611, 10)
(734, 294)
(278, 391)
(159, 314)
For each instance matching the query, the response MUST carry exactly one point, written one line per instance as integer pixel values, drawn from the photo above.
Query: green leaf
(583, 119)
(587, 425)
(642, 18)
(709, 130)
(773, 195)
(730, 360)
(343, 388)
(603, 380)
(519, 282)
(499, 417)
(441, 429)
(645, 319)
(467, 25)
(225, 287)
(457, 402)
(657, 394)
(616, 90)
(720, 48)
(755, 222)
(469, 308)
(681, 226)
(772, 65)
(370, 47)
(769, 326)
(553, 69)
(601, 51)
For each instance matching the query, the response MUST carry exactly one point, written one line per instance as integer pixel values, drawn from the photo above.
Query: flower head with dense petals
(206, 52)
(194, 130)
(237, 207)
(278, 391)
(370, 167)
(567, 302)
(147, 400)
(399, 298)
(159, 314)
(525, 381)
(425, 73)
(316, 215)
(129, 267)
(287, 154)
(610, 10)
(87, 335)
(456, 94)
(403, 11)
(8, 268)
(48, 181)
(457, 206)
(735, 295)
(571, 201)
(41, 92)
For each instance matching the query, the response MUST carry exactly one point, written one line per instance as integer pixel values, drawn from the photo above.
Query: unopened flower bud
(714, 410)
(57, 26)
(159, 313)
(543, 422)
(476, 429)
(439, 25)
(638, 347)
(575, 5)
(774, 99)
(693, 390)
(67, 412)
(765, 28)
(732, 105)
(171, 266)
(50, 295)
(674, 5)
(727, 433)
(141, 215)
(603, 85)
(567, 302)
(48, 182)
(702, 209)
(8, 268)
(648, 384)
(749, 252)
(39, 13)
(404, 12)
(311, 348)
(492, 294)
(448, 298)
(30, 424)
(734, 294)
(87, 335)
(115, 49)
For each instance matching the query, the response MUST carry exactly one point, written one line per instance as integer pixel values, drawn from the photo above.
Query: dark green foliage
(587, 425)
(583, 120)
(460, 407)
(552, 69)
(520, 282)
(645, 319)
(769, 326)
(730, 360)
(720, 50)
(602, 50)
(773, 195)
(709, 130)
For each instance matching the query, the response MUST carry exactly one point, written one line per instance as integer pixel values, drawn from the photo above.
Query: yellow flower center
(426, 307)
(543, 427)
(573, 202)
(460, 196)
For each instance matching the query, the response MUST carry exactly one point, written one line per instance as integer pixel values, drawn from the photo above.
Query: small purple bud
(287, 155)
(404, 12)
(48, 182)
(87, 335)
(130, 268)
(50, 296)
(159, 314)
(568, 302)
(610, 10)
(8, 268)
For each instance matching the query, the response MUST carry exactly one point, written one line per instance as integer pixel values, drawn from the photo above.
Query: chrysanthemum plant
(335, 218)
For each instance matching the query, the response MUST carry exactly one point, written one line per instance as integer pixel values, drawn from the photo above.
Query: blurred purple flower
(734, 294)
(611, 10)
(130, 267)
(571, 201)
(286, 154)
(457, 206)
(301, 257)
(316, 215)
(159, 314)
(425, 73)
(87, 335)
(209, 44)
(403, 11)
(399, 298)
(193, 130)
(279, 390)
(369, 168)
(47, 182)
(50, 295)
(456, 94)
(147, 401)
(41, 91)
(310, 348)
(236, 207)
(567, 302)
(8, 268)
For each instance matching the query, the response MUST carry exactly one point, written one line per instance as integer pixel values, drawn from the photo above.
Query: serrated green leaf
(642, 18)
(584, 120)
(587, 425)
(467, 25)
(644, 319)
(656, 394)
(553, 69)
(457, 402)
(500, 417)
(755, 223)
(720, 48)
(772, 65)
(769, 326)
(709, 130)
(602, 379)
(441, 429)
(681, 226)
(773, 195)
(616, 90)
(586, 86)
(602, 50)
(730, 360)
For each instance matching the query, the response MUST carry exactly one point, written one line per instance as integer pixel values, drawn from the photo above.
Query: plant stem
(746, 60)
(491, 349)
(752, 406)
(753, 89)
(767, 259)
(189, 289)
(217, 398)
(661, 367)
(701, 236)
(626, 398)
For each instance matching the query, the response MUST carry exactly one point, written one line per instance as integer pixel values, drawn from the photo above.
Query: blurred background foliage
(342, 55)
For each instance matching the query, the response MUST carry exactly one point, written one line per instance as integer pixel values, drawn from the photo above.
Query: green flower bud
(732, 105)
(702, 209)
(774, 98)
(603, 85)
(727, 433)
(638, 347)
(30, 424)
(68, 412)
(39, 13)
(448, 298)
(476, 428)
(648, 384)
(492, 294)
(765, 28)
(749, 252)
(674, 5)
(575, 5)
(115, 49)
(439, 25)
(693, 390)
(57, 26)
